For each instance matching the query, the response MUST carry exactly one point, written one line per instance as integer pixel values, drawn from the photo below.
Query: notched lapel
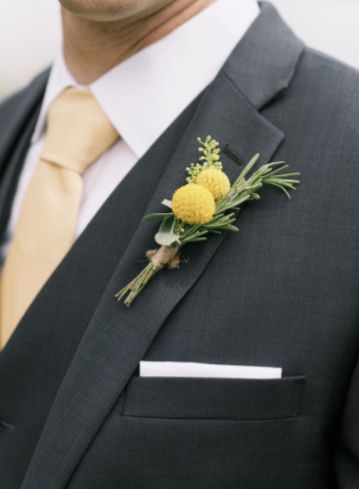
(117, 338)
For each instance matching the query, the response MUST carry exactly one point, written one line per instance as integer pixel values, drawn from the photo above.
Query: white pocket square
(190, 369)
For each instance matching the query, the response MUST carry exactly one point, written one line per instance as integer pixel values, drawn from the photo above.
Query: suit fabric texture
(282, 292)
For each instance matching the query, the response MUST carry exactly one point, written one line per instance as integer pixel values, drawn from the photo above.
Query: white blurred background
(30, 33)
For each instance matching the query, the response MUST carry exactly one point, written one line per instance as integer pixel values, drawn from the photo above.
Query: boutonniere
(207, 204)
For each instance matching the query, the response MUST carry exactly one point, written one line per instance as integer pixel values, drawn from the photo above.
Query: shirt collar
(144, 94)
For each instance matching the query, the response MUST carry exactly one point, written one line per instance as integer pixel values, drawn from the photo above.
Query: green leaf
(282, 188)
(275, 172)
(248, 167)
(165, 235)
(152, 217)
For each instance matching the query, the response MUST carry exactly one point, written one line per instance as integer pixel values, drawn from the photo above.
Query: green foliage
(241, 191)
(174, 233)
(166, 235)
(152, 217)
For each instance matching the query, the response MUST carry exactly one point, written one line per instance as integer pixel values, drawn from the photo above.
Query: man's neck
(92, 48)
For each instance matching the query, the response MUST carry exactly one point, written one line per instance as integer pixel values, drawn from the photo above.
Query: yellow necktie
(78, 132)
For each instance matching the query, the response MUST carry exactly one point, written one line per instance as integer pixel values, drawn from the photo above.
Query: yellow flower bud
(193, 204)
(215, 181)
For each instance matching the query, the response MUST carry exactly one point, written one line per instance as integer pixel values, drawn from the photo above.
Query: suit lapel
(11, 175)
(18, 118)
(16, 113)
(117, 338)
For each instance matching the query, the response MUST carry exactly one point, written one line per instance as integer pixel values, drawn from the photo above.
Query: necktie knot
(78, 131)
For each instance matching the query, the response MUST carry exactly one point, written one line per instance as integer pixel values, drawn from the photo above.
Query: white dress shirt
(141, 96)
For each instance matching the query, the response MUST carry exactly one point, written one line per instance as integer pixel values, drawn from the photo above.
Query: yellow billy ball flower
(215, 181)
(193, 204)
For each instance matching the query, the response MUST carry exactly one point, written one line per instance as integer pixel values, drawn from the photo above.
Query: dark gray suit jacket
(282, 292)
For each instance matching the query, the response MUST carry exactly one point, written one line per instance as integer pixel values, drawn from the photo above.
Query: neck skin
(92, 48)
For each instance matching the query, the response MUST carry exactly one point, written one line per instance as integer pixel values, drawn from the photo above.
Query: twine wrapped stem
(166, 256)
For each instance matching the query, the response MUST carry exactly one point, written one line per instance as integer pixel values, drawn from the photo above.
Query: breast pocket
(207, 398)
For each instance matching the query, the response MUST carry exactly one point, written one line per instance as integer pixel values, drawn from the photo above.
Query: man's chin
(106, 10)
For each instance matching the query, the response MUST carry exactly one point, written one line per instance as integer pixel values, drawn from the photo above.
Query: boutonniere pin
(207, 204)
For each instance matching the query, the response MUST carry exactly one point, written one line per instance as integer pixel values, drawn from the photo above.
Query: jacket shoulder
(324, 97)
(329, 82)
